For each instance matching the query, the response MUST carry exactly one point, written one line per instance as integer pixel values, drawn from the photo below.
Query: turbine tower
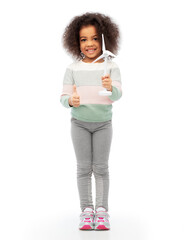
(104, 55)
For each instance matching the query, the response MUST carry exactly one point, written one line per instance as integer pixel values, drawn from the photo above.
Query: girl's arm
(67, 91)
(66, 101)
(115, 76)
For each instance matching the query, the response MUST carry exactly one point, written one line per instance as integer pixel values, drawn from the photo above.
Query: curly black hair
(103, 24)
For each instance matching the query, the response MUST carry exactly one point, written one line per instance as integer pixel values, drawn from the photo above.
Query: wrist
(110, 89)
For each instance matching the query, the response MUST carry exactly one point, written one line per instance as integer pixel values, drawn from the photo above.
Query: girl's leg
(102, 139)
(82, 142)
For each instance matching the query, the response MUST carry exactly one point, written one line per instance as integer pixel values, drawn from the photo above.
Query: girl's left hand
(107, 82)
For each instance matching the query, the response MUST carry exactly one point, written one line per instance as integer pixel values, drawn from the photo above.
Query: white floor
(143, 224)
(129, 227)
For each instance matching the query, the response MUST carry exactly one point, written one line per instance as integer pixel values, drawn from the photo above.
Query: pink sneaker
(101, 219)
(87, 219)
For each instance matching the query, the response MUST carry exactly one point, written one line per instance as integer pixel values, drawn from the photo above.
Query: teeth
(90, 51)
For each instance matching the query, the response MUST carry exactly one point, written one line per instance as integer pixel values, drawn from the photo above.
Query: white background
(39, 196)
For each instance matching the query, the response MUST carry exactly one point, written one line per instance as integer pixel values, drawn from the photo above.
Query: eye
(83, 40)
(95, 38)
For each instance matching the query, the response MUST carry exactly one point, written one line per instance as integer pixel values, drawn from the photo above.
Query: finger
(76, 96)
(76, 103)
(106, 82)
(76, 100)
(106, 76)
(106, 85)
(105, 79)
(74, 89)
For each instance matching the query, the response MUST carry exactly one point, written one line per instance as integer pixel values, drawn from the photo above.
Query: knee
(100, 170)
(83, 171)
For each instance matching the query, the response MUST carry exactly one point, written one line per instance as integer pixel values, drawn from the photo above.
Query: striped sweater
(87, 78)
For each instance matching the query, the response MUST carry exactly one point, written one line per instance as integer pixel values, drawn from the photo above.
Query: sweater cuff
(116, 94)
(64, 101)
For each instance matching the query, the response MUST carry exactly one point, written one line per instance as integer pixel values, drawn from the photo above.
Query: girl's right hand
(74, 100)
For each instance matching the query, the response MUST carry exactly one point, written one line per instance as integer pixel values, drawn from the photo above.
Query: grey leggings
(92, 141)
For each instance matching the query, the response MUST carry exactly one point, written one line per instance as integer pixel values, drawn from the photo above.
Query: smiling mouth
(91, 50)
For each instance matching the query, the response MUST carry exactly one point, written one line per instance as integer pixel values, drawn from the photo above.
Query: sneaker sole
(102, 227)
(86, 227)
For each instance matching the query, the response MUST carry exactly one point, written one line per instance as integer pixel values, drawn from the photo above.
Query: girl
(91, 121)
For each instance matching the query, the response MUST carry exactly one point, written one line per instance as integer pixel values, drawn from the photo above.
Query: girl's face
(90, 44)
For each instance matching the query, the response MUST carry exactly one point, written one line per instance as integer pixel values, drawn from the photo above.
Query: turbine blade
(103, 43)
(110, 53)
(100, 57)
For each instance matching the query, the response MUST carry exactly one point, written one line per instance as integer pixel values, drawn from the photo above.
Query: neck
(91, 60)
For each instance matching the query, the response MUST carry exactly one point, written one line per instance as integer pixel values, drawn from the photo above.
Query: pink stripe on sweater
(90, 94)
(67, 90)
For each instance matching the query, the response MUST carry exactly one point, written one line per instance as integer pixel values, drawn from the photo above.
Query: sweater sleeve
(116, 83)
(67, 91)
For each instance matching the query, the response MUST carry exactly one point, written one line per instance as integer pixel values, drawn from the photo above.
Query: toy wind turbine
(105, 55)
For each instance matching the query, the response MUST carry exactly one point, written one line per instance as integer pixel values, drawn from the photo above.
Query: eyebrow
(86, 37)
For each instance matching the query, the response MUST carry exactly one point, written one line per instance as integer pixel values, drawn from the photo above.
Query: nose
(89, 43)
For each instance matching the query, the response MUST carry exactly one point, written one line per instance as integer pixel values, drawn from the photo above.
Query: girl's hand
(74, 100)
(107, 82)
